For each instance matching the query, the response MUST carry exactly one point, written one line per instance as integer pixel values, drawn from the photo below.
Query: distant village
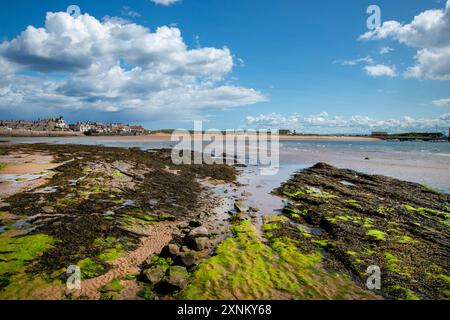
(60, 125)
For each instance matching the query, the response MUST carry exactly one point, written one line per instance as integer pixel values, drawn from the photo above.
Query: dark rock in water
(199, 232)
(170, 251)
(187, 259)
(201, 244)
(399, 226)
(322, 166)
(154, 274)
(241, 206)
(194, 223)
(366, 158)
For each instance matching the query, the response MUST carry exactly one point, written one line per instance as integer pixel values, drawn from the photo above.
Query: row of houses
(59, 124)
(286, 132)
(90, 127)
(50, 124)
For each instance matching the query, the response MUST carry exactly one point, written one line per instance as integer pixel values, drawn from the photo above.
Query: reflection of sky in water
(20, 177)
(19, 225)
(433, 148)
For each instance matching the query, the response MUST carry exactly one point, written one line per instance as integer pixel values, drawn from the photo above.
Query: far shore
(39, 134)
(167, 137)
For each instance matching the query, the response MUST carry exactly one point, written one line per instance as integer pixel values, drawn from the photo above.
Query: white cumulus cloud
(326, 123)
(165, 2)
(114, 65)
(386, 50)
(354, 62)
(429, 33)
(380, 70)
(442, 102)
(127, 11)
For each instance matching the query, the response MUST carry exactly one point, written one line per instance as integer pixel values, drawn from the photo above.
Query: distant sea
(422, 162)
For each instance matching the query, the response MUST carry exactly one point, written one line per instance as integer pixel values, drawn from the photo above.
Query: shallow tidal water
(421, 162)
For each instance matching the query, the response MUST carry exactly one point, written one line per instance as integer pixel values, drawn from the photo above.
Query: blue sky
(292, 66)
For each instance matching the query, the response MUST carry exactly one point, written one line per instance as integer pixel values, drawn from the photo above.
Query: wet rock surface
(360, 220)
(154, 274)
(176, 279)
(241, 206)
(172, 250)
(201, 243)
(176, 261)
(187, 259)
(198, 232)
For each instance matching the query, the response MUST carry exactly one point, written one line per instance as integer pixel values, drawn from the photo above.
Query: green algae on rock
(244, 267)
(16, 254)
(17, 251)
(399, 226)
(111, 290)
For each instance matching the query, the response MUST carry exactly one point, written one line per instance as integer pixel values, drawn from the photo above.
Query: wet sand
(21, 171)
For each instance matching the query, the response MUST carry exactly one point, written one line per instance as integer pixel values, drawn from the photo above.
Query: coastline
(31, 134)
(327, 138)
(167, 137)
(419, 162)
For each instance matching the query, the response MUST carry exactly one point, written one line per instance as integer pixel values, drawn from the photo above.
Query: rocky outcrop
(362, 220)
